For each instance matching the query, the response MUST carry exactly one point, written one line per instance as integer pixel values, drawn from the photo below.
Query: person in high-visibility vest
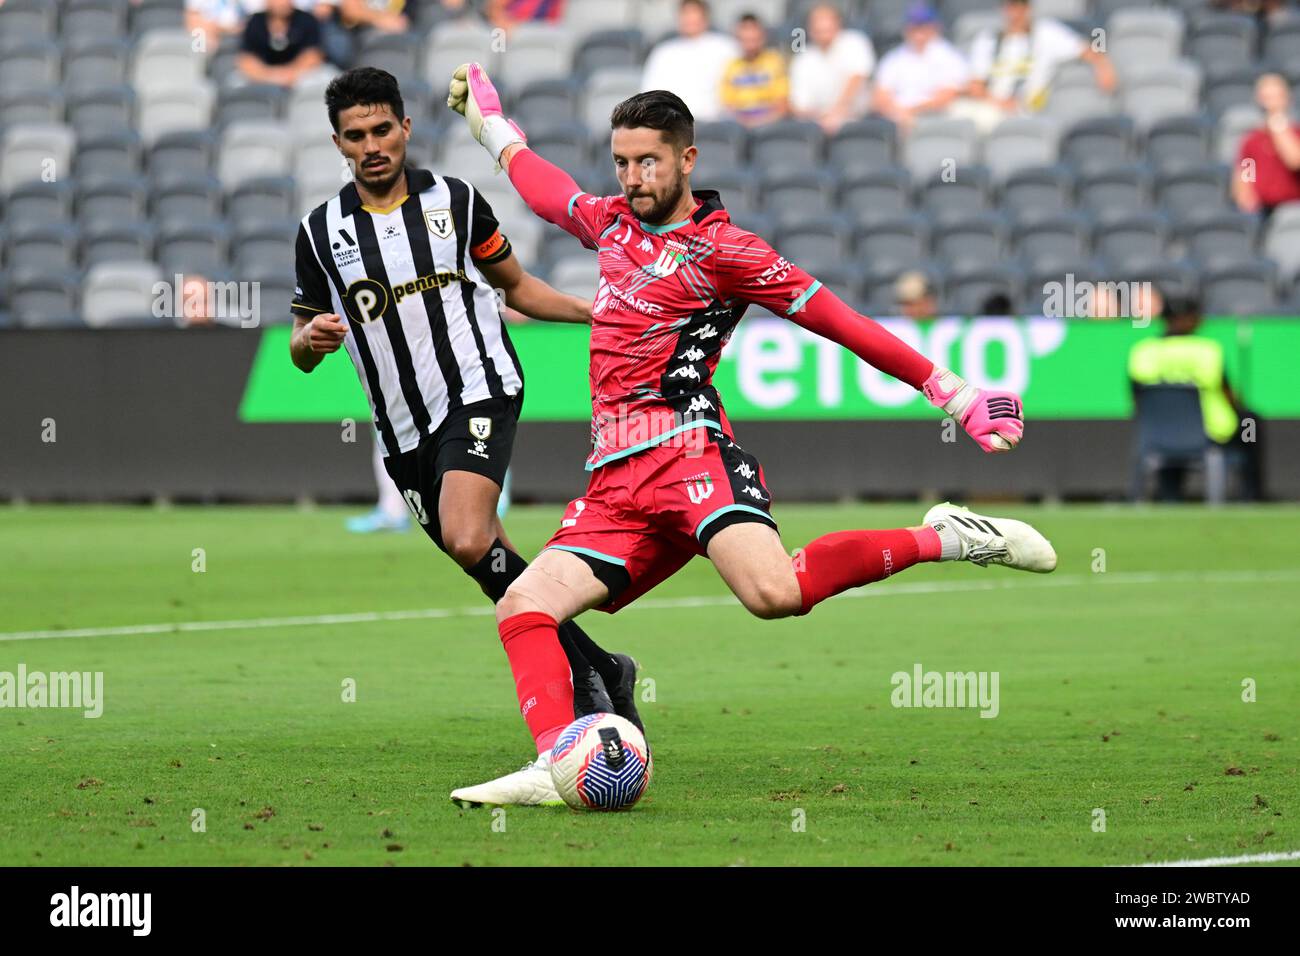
(1181, 357)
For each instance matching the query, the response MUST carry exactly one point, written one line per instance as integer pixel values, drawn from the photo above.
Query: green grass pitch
(1121, 691)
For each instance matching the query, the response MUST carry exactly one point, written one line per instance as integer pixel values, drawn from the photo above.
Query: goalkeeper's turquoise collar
(710, 203)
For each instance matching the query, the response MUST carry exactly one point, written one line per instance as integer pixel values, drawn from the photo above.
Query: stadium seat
(564, 144)
(250, 101)
(28, 61)
(1045, 283)
(1216, 38)
(549, 101)
(101, 199)
(121, 293)
(964, 193)
(28, 18)
(319, 172)
(969, 25)
(44, 297)
(1178, 142)
(34, 151)
(869, 194)
(106, 107)
(724, 13)
(94, 18)
(608, 48)
(1154, 92)
(185, 197)
(1246, 287)
(165, 58)
(36, 200)
(584, 16)
(266, 198)
(1099, 142)
(1282, 41)
(95, 60)
(108, 153)
(1070, 104)
(538, 51)
(1195, 188)
(120, 240)
(793, 195)
(398, 53)
(1228, 86)
(149, 15)
(452, 43)
(223, 62)
(1103, 9)
(759, 223)
(1123, 237)
(819, 240)
(30, 104)
(1282, 240)
(604, 90)
(736, 186)
(1122, 188)
(976, 239)
(1037, 191)
(1170, 276)
(967, 288)
(1235, 123)
(1055, 238)
(786, 144)
(1020, 142)
(182, 153)
(1061, 9)
(183, 107)
(32, 243)
(576, 275)
(270, 244)
(252, 148)
(722, 145)
(305, 109)
(864, 144)
(1171, 432)
(939, 145)
(1139, 38)
(898, 243)
(196, 247)
(1212, 237)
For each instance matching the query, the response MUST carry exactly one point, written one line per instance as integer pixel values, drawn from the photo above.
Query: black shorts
(478, 437)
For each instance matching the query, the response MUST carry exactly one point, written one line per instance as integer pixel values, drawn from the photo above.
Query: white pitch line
(659, 604)
(1232, 860)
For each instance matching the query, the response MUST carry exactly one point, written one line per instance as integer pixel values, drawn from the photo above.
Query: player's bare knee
(769, 599)
(467, 546)
(515, 601)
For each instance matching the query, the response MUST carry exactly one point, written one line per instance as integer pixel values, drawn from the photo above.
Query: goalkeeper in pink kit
(668, 479)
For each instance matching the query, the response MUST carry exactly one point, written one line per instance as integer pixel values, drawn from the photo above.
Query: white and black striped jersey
(424, 329)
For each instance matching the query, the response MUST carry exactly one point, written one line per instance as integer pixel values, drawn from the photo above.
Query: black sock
(497, 570)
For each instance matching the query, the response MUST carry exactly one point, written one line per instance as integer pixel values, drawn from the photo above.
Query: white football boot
(530, 787)
(981, 540)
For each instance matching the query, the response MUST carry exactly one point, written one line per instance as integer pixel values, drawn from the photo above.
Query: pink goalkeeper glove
(472, 95)
(994, 419)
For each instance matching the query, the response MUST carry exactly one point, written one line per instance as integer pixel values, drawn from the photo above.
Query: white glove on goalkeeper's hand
(472, 95)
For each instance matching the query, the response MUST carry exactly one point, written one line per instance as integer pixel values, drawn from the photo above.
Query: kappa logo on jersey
(346, 252)
(686, 371)
(753, 493)
(645, 245)
(699, 487)
(705, 331)
(692, 354)
(440, 223)
(745, 470)
(578, 506)
(698, 404)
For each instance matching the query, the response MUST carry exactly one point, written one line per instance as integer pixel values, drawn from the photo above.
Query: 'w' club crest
(699, 488)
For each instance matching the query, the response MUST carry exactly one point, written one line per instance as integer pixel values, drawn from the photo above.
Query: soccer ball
(601, 762)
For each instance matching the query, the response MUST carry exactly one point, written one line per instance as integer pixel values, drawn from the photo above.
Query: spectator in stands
(754, 85)
(923, 74)
(213, 19)
(507, 13)
(914, 296)
(1012, 68)
(1181, 357)
(1268, 160)
(691, 64)
(386, 16)
(828, 76)
(280, 44)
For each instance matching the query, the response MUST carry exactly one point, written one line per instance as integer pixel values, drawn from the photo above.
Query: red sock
(543, 680)
(848, 559)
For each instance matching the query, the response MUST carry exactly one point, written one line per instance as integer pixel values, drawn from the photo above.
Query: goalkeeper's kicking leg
(772, 584)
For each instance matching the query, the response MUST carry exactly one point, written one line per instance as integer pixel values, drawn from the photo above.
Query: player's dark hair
(657, 109)
(1181, 304)
(363, 86)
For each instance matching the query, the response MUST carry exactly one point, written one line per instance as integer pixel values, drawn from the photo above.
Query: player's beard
(662, 208)
(385, 181)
